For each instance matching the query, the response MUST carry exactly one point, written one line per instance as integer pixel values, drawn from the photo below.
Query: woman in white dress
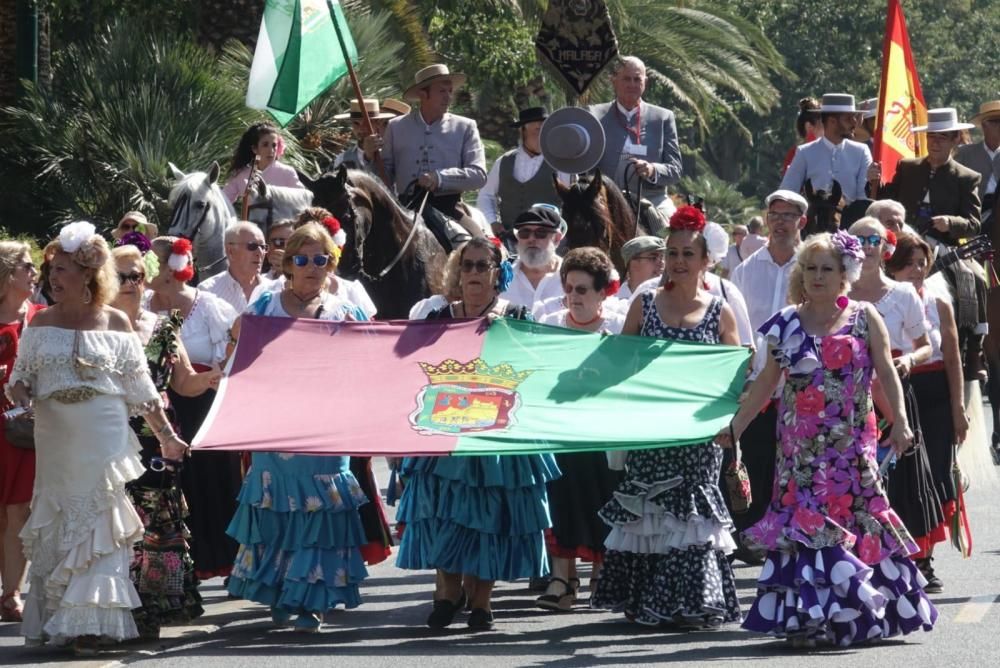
(83, 371)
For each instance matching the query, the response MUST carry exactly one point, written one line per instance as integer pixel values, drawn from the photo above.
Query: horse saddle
(448, 232)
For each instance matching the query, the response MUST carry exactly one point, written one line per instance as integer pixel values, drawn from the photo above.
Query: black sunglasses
(481, 266)
(578, 289)
(251, 246)
(135, 278)
(537, 232)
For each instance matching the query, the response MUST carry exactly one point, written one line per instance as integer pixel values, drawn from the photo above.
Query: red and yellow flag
(901, 101)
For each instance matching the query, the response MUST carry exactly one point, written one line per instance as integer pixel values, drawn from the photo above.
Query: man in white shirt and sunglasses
(539, 230)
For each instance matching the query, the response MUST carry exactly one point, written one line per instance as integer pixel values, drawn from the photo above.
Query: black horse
(823, 214)
(394, 266)
(597, 214)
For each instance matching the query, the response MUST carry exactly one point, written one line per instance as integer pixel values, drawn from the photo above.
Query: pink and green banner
(460, 387)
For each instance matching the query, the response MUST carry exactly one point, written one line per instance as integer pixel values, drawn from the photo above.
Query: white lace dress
(82, 527)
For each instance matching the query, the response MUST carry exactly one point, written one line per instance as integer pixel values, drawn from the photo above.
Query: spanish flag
(901, 103)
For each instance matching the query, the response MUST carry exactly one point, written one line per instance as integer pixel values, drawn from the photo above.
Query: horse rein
(638, 195)
(360, 239)
(194, 231)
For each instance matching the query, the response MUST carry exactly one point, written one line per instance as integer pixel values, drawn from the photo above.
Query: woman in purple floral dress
(837, 566)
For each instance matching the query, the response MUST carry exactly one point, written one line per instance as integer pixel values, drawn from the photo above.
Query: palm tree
(222, 20)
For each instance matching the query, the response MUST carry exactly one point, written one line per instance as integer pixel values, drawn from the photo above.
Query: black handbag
(20, 431)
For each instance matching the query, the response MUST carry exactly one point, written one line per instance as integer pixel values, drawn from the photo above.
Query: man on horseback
(833, 157)
(641, 137)
(438, 151)
(984, 157)
(362, 154)
(536, 270)
(941, 198)
(519, 178)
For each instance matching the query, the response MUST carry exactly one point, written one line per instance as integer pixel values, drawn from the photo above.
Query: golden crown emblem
(476, 371)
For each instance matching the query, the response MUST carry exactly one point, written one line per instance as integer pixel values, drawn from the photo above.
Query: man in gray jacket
(438, 150)
(641, 137)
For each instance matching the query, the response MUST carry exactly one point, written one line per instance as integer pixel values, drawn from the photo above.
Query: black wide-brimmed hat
(530, 115)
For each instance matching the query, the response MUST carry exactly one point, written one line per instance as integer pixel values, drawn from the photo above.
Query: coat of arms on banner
(577, 40)
(467, 397)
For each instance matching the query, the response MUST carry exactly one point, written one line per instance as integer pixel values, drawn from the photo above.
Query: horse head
(269, 204)
(597, 214)
(201, 213)
(823, 214)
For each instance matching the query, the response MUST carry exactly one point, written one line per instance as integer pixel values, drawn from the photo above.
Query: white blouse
(52, 360)
(205, 332)
(612, 322)
(903, 312)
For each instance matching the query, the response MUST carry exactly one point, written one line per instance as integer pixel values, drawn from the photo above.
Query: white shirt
(991, 185)
(520, 292)
(764, 285)
(552, 305)
(627, 146)
(228, 289)
(732, 259)
(525, 168)
(205, 332)
(611, 323)
(903, 312)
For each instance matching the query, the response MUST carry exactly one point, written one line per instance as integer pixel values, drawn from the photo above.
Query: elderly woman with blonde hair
(82, 370)
(297, 523)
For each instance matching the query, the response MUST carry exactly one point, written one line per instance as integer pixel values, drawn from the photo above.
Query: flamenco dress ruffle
(80, 542)
(670, 533)
(483, 516)
(300, 534)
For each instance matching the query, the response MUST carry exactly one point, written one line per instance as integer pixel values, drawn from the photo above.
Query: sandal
(559, 603)
(86, 646)
(10, 608)
(574, 584)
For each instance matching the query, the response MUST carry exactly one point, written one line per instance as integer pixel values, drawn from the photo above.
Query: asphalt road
(388, 629)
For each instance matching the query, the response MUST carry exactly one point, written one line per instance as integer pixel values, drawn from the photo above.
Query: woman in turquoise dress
(297, 522)
(837, 568)
(475, 519)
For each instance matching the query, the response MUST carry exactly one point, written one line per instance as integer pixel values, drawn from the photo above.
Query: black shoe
(538, 584)
(480, 620)
(934, 584)
(748, 556)
(444, 612)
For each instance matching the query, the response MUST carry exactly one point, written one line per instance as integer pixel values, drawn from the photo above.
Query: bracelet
(166, 425)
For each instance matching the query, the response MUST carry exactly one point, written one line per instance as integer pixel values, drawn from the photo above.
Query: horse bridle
(360, 239)
(182, 202)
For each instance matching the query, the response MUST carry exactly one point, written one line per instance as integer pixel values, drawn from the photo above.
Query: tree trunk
(8, 64)
(222, 20)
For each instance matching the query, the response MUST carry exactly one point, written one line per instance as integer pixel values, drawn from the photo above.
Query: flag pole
(379, 164)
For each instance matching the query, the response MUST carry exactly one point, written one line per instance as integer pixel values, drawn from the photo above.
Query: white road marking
(976, 608)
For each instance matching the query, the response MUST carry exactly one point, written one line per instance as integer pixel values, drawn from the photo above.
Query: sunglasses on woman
(869, 240)
(134, 278)
(303, 260)
(480, 266)
(578, 289)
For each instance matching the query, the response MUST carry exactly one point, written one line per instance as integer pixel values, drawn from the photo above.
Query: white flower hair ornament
(73, 235)
(716, 240)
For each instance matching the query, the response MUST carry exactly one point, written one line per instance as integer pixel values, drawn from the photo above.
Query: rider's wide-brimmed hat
(837, 103)
(371, 106)
(430, 74)
(942, 120)
(572, 140)
(395, 107)
(986, 110)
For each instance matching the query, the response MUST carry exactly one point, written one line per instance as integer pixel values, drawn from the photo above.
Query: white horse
(270, 204)
(201, 213)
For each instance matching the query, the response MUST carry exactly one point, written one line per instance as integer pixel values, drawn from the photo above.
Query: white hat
(986, 110)
(431, 73)
(942, 120)
(869, 108)
(572, 140)
(837, 103)
(788, 196)
(371, 106)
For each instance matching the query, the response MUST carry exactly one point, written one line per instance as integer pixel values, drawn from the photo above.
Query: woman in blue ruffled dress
(480, 517)
(297, 522)
(670, 531)
(837, 566)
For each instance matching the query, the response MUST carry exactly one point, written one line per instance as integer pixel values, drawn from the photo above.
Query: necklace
(481, 313)
(304, 301)
(576, 322)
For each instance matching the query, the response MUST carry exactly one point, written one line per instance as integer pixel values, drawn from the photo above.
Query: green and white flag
(297, 56)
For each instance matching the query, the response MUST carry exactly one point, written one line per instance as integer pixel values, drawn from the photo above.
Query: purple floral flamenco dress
(837, 566)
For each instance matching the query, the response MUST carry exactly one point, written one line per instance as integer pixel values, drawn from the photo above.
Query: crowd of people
(856, 400)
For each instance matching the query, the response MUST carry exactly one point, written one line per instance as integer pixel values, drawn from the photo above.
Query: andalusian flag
(298, 55)
(458, 387)
(900, 102)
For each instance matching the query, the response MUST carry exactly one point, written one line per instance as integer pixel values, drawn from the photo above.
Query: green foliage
(76, 21)
(724, 204)
(99, 141)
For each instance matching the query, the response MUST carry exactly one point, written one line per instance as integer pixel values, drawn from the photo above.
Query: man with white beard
(536, 270)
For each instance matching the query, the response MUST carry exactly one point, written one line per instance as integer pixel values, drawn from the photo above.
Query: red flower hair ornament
(890, 245)
(688, 218)
(180, 260)
(332, 226)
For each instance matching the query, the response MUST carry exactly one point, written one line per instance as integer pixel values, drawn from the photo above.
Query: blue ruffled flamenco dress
(481, 515)
(300, 535)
